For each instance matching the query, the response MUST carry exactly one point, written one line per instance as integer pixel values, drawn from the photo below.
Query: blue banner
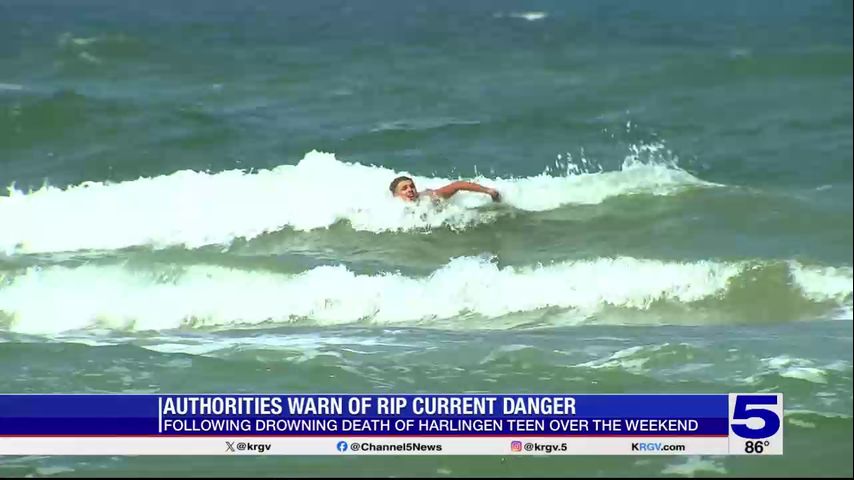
(381, 415)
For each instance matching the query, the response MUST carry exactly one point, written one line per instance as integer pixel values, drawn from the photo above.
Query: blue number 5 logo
(742, 411)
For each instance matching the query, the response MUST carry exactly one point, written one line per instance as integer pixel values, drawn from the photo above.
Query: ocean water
(195, 199)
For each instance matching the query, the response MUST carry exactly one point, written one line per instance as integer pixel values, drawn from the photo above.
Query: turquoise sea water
(195, 199)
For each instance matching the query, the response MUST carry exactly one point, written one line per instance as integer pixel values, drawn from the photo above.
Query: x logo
(229, 446)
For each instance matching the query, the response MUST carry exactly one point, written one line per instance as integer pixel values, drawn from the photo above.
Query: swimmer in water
(404, 188)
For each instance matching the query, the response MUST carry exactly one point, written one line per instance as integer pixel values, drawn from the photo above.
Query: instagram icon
(515, 446)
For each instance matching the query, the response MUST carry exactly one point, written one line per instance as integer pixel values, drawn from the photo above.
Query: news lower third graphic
(392, 424)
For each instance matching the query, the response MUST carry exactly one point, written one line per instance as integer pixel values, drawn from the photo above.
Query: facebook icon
(342, 446)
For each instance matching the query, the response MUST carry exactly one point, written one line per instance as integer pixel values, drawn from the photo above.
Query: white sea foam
(797, 368)
(693, 465)
(529, 16)
(193, 209)
(59, 298)
(823, 283)
(11, 87)
(54, 299)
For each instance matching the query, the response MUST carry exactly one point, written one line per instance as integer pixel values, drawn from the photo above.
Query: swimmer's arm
(450, 189)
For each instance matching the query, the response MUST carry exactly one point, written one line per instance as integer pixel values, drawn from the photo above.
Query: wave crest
(119, 297)
(194, 209)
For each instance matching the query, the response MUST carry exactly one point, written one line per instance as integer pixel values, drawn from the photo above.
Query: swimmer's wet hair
(396, 181)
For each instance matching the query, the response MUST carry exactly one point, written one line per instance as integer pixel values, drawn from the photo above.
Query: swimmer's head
(404, 188)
